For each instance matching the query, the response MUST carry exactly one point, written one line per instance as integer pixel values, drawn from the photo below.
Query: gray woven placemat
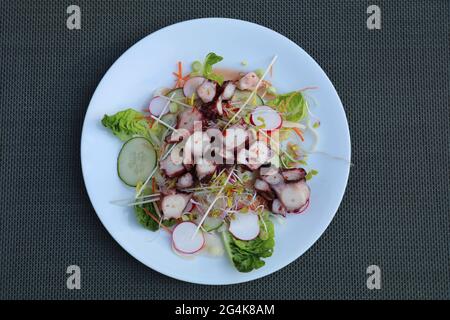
(393, 82)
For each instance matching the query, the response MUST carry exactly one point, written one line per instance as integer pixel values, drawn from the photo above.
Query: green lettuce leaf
(246, 255)
(215, 77)
(126, 124)
(146, 221)
(206, 70)
(210, 60)
(293, 105)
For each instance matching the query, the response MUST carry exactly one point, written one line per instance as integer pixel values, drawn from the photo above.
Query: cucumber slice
(241, 95)
(212, 223)
(179, 96)
(136, 161)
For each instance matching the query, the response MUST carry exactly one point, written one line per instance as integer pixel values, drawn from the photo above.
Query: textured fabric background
(394, 84)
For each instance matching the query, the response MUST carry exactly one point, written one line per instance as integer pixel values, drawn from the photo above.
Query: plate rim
(123, 244)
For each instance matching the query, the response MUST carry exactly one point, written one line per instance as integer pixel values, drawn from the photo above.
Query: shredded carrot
(299, 133)
(156, 220)
(149, 119)
(179, 75)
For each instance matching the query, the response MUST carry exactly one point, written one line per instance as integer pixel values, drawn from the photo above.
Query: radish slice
(182, 255)
(190, 86)
(158, 105)
(183, 240)
(245, 226)
(267, 117)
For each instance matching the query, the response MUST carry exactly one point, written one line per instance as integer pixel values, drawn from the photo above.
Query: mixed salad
(216, 159)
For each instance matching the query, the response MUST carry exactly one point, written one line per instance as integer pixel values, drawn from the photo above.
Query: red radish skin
(245, 226)
(190, 86)
(157, 106)
(182, 238)
(180, 254)
(272, 119)
(258, 109)
(189, 207)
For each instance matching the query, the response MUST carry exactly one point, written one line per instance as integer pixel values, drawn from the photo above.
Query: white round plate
(149, 65)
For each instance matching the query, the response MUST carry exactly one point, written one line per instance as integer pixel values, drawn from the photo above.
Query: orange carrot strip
(299, 133)
(149, 121)
(179, 75)
(156, 220)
